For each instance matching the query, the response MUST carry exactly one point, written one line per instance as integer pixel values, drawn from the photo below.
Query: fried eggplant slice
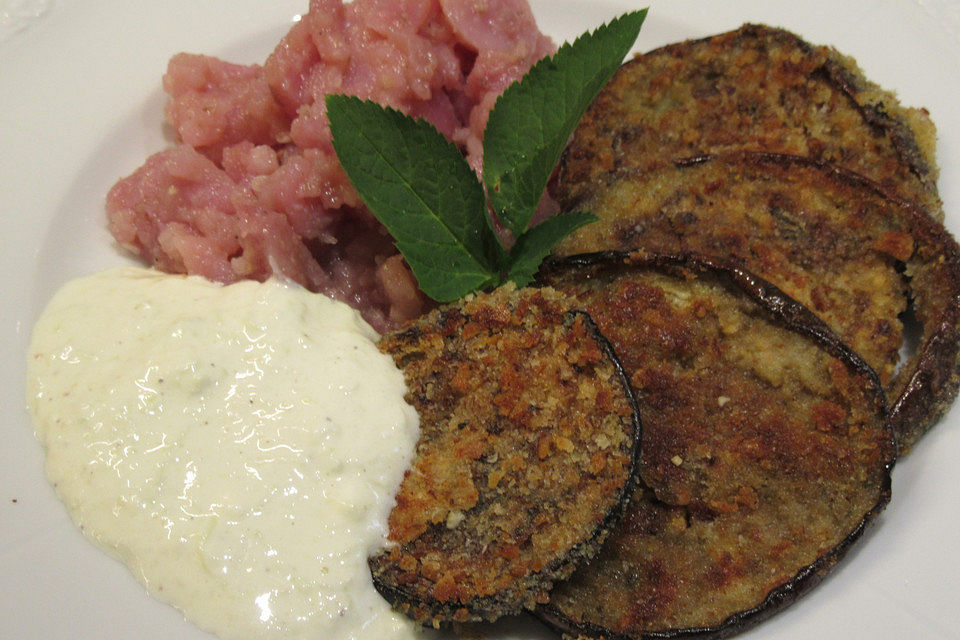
(529, 435)
(755, 88)
(834, 241)
(765, 450)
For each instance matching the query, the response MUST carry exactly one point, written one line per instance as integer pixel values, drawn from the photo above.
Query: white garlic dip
(237, 447)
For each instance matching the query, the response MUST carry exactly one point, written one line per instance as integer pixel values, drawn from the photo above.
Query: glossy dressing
(238, 447)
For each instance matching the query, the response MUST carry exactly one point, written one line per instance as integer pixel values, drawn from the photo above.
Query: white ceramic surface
(80, 106)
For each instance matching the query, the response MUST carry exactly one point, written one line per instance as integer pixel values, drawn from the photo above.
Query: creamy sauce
(237, 447)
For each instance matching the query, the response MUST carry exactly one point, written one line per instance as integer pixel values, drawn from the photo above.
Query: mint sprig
(421, 188)
(531, 122)
(418, 185)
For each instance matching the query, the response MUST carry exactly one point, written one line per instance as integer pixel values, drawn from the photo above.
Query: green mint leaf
(533, 119)
(419, 186)
(534, 245)
(422, 189)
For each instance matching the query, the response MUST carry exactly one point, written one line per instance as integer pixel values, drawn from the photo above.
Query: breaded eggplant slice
(755, 88)
(529, 436)
(765, 451)
(836, 242)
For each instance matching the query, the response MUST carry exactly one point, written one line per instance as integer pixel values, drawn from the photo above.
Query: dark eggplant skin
(876, 232)
(927, 385)
(779, 100)
(786, 313)
(442, 343)
(756, 87)
(783, 309)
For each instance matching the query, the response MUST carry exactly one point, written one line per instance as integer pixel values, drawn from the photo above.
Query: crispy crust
(755, 88)
(528, 446)
(838, 243)
(765, 450)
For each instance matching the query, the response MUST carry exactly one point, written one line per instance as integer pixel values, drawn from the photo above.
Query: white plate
(80, 106)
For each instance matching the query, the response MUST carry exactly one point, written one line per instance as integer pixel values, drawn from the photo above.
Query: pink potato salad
(253, 186)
